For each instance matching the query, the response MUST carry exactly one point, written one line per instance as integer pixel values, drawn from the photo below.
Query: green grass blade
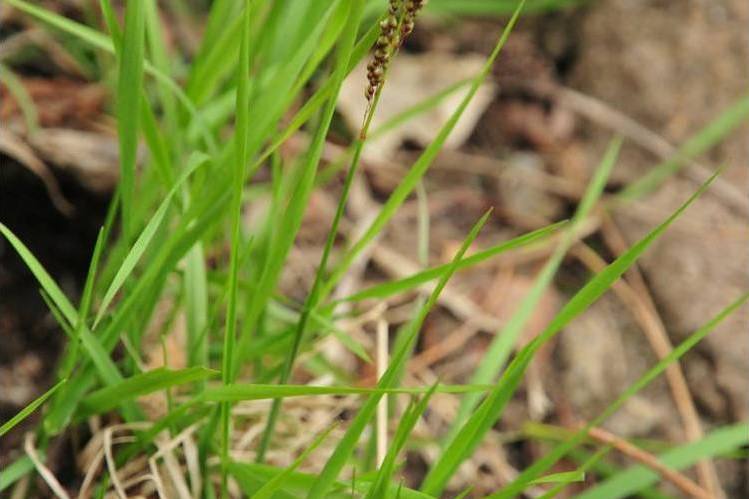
(472, 432)
(21, 96)
(565, 477)
(405, 427)
(26, 411)
(107, 369)
(251, 476)
(561, 450)
(241, 137)
(504, 341)
(346, 446)
(270, 488)
(104, 43)
(45, 280)
(300, 185)
(636, 478)
(15, 471)
(348, 39)
(390, 288)
(142, 384)
(146, 236)
(705, 139)
(239, 392)
(417, 171)
(127, 105)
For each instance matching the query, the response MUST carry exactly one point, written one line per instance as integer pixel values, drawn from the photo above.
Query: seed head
(391, 37)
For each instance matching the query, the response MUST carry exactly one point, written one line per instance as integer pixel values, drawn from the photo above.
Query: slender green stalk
(240, 165)
(347, 40)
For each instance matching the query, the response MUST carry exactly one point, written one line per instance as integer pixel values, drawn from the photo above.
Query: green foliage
(261, 72)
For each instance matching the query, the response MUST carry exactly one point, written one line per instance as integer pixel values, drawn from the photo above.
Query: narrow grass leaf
(142, 384)
(26, 411)
(15, 471)
(705, 139)
(417, 171)
(141, 244)
(563, 477)
(275, 483)
(251, 476)
(127, 105)
(346, 446)
(390, 288)
(473, 431)
(561, 450)
(239, 392)
(100, 41)
(407, 423)
(504, 341)
(632, 480)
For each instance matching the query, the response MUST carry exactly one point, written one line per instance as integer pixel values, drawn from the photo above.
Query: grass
(263, 71)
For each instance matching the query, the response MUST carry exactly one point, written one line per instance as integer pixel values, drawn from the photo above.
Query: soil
(671, 66)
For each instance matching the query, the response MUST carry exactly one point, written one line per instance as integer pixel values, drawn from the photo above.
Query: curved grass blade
(275, 483)
(142, 384)
(561, 450)
(102, 42)
(391, 288)
(632, 480)
(141, 244)
(26, 411)
(408, 420)
(504, 341)
(473, 431)
(346, 446)
(417, 171)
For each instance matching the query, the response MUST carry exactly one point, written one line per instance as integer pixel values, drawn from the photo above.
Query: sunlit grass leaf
(636, 478)
(473, 431)
(563, 477)
(141, 244)
(275, 483)
(561, 450)
(26, 411)
(504, 341)
(346, 446)
(142, 384)
(419, 168)
(394, 287)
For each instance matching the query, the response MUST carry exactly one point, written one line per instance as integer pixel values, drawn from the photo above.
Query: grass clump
(263, 71)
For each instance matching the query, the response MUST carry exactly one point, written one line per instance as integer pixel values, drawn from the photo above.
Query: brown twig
(678, 480)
